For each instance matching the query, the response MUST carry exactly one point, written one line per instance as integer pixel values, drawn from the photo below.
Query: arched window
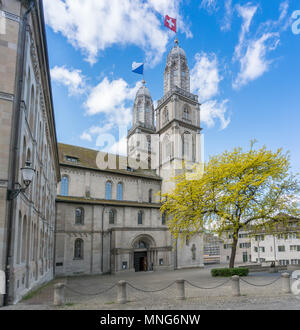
(140, 245)
(175, 77)
(112, 217)
(148, 107)
(165, 115)
(120, 191)
(64, 186)
(140, 218)
(79, 216)
(186, 113)
(167, 149)
(150, 196)
(78, 249)
(187, 146)
(163, 219)
(139, 111)
(108, 186)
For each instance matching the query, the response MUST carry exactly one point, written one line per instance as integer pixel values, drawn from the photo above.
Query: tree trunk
(233, 250)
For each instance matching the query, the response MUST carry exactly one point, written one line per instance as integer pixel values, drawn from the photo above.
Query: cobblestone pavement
(252, 297)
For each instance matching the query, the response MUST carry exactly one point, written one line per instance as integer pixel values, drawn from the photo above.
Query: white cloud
(119, 147)
(283, 22)
(93, 25)
(252, 51)
(205, 77)
(110, 98)
(205, 80)
(212, 110)
(72, 79)
(283, 9)
(226, 26)
(86, 136)
(113, 99)
(246, 12)
(209, 5)
(254, 63)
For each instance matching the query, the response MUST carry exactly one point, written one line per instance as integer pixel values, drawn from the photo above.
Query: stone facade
(125, 231)
(28, 252)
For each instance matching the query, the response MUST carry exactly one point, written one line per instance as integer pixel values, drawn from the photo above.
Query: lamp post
(27, 174)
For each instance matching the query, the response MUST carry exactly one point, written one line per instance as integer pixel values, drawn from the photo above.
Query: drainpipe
(102, 236)
(110, 246)
(15, 146)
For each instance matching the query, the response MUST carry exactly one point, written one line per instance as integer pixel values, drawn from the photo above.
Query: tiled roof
(82, 200)
(86, 158)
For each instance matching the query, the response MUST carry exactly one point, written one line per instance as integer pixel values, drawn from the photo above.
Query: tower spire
(176, 70)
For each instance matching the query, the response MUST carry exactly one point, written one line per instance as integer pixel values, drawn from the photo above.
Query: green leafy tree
(234, 190)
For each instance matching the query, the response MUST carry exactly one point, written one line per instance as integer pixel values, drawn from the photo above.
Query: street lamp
(27, 174)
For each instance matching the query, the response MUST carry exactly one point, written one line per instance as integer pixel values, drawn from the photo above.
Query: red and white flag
(170, 23)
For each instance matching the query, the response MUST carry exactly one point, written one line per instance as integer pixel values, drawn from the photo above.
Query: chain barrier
(168, 286)
(90, 294)
(260, 285)
(215, 287)
(151, 291)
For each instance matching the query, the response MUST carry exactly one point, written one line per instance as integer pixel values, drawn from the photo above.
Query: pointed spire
(176, 41)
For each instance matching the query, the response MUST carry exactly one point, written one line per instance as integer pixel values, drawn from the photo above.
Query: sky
(243, 58)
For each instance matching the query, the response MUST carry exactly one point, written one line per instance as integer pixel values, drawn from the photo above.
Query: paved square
(252, 297)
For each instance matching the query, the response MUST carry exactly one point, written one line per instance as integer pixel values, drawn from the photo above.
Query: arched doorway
(142, 257)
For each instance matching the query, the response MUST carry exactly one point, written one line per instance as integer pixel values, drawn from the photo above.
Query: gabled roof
(86, 159)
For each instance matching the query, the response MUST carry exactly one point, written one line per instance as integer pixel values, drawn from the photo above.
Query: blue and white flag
(138, 68)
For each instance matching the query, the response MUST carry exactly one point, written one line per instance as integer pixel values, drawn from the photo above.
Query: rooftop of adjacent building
(75, 156)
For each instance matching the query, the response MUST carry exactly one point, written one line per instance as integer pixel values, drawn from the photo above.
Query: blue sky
(243, 58)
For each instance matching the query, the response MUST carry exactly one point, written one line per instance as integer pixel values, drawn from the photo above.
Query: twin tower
(162, 138)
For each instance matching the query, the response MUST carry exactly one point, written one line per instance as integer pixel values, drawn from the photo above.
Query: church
(108, 218)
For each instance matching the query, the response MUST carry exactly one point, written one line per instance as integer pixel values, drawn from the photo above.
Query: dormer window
(129, 169)
(71, 159)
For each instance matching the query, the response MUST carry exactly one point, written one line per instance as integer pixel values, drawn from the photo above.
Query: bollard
(180, 289)
(236, 286)
(59, 294)
(286, 283)
(122, 294)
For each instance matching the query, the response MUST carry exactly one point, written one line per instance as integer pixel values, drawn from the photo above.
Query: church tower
(174, 143)
(178, 127)
(139, 136)
(177, 119)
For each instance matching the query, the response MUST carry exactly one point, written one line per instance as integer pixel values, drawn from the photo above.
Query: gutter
(15, 147)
